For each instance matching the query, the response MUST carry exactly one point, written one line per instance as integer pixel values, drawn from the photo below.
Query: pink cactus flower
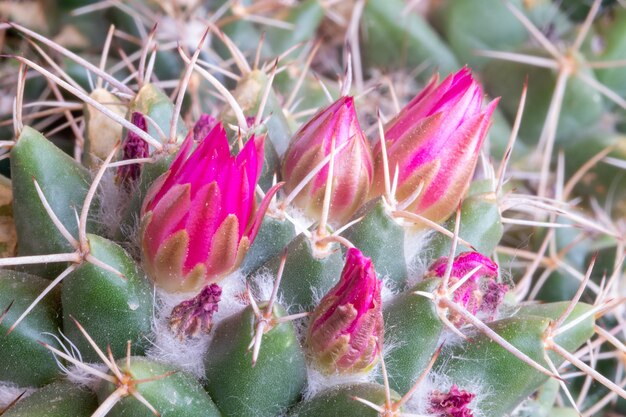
(346, 328)
(480, 293)
(353, 168)
(454, 403)
(436, 139)
(200, 217)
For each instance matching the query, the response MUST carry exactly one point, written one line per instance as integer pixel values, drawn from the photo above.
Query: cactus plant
(210, 222)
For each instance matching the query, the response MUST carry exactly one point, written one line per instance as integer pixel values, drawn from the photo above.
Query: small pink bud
(436, 139)
(493, 296)
(346, 328)
(480, 293)
(464, 263)
(352, 171)
(194, 316)
(454, 403)
(203, 126)
(133, 148)
(200, 217)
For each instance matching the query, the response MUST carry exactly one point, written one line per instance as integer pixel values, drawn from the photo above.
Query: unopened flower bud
(346, 329)
(352, 170)
(133, 148)
(480, 293)
(435, 140)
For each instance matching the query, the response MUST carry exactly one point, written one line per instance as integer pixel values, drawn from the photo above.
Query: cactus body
(291, 279)
(58, 399)
(63, 181)
(178, 395)
(272, 385)
(411, 322)
(337, 402)
(113, 309)
(506, 380)
(24, 361)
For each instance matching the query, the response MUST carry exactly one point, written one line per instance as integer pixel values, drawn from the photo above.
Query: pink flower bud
(436, 139)
(352, 171)
(454, 403)
(203, 126)
(346, 328)
(200, 217)
(480, 293)
(133, 148)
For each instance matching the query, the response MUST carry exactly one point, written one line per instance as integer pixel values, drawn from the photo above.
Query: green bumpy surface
(64, 183)
(112, 309)
(482, 366)
(59, 399)
(23, 360)
(413, 328)
(339, 402)
(264, 390)
(177, 395)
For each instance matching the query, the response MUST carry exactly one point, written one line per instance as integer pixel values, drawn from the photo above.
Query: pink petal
(167, 218)
(205, 216)
(256, 225)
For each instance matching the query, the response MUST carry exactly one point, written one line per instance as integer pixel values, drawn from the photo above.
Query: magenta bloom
(454, 403)
(436, 139)
(200, 217)
(346, 328)
(481, 293)
(353, 169)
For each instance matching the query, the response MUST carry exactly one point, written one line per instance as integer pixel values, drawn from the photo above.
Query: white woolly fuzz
(417, 254)
(302, 327)
(188, 30)
(166, 346)
(189, 354)
(415, 240)
(419, 403)
(507, 310)
(389, 289)
(300, 220)
(317, 381)
(262, 286)
(234, 298)
(132, 238)
(9, 392)
(73, 373)
(111, 201)
(317, 294)
(79, 376)
(449, 338)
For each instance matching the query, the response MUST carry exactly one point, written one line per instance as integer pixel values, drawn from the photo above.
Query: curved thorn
(87, 99)
(57, 223)
(72, 56)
